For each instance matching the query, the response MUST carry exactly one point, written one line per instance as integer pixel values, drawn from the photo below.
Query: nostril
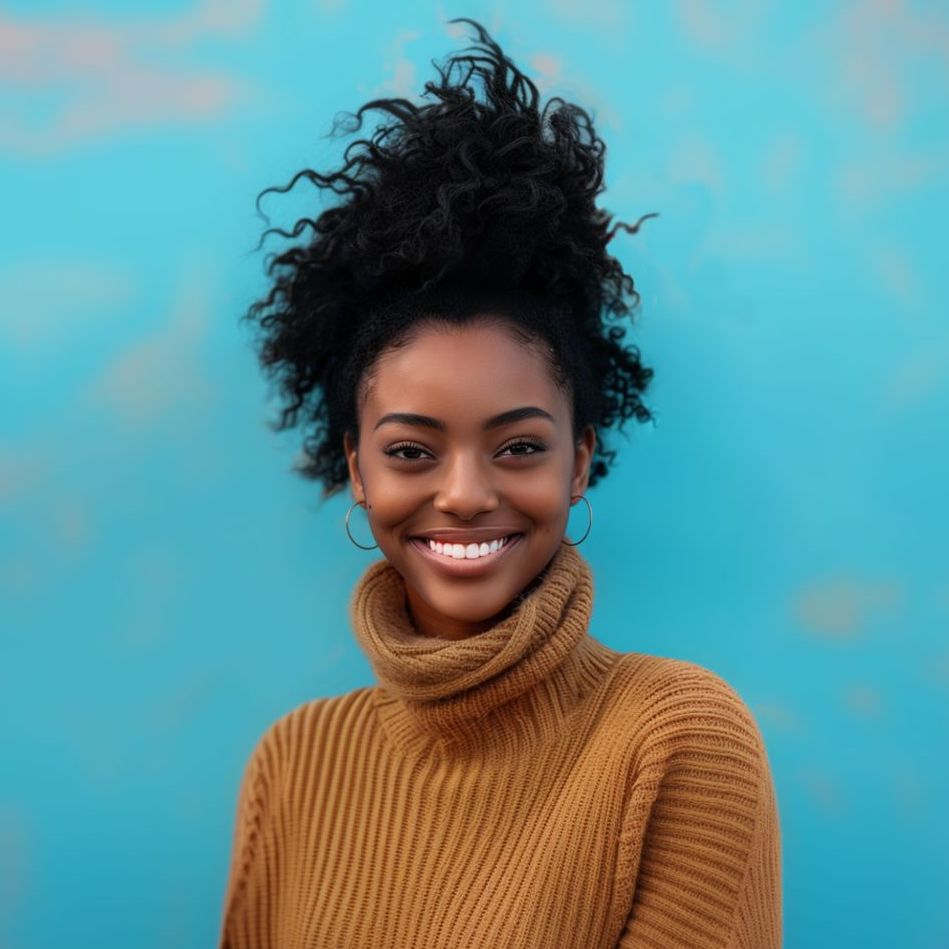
(466, 507)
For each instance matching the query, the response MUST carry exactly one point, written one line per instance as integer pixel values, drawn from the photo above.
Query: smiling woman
(487, 455)
(452, 335)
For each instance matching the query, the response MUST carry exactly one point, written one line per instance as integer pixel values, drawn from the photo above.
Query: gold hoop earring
(577, 543)
(349, 533)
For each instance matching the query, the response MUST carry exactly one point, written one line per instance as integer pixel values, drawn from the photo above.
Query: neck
(515, 678)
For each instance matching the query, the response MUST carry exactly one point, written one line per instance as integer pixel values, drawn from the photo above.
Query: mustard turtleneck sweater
(525, 787)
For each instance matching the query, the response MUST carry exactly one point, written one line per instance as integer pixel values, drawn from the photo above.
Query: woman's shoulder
(303, 725)
(667, 700)
(665, 675)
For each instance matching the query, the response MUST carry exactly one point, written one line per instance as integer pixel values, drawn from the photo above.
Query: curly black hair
(457, 207)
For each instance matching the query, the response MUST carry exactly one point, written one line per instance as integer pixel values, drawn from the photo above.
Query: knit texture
(525, 787)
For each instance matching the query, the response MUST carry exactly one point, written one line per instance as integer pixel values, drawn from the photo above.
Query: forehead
(464, 372)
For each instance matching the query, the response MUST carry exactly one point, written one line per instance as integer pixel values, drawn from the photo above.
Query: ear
(583, 456)
(355, 479)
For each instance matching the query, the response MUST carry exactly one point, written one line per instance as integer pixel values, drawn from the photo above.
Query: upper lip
(459, 535)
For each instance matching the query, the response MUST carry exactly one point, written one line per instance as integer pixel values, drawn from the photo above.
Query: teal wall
(168, 588)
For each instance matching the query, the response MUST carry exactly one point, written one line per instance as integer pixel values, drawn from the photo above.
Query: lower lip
(458, 567)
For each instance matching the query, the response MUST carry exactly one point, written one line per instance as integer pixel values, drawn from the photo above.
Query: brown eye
(407, 451)
(522, 447)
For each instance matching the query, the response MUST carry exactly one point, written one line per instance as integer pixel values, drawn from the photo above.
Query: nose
(466, 489)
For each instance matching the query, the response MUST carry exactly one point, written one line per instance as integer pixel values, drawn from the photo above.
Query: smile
(468, 551)
(465, 558)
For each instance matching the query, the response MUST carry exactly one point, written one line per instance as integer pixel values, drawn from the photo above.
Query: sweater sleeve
(240, 927)
(702, 834)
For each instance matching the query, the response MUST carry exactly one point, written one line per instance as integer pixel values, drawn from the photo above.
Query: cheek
(392, 499)
(392, 496)
(544, 499)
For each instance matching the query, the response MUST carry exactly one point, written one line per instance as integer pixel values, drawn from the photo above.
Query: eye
(407, 451)
(522, 447)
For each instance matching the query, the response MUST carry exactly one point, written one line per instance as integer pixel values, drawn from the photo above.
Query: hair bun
(479, 187)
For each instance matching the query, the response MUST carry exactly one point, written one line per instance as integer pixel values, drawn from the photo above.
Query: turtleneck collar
(540, 655)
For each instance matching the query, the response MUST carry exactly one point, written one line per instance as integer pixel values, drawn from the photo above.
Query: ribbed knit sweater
(524, 787)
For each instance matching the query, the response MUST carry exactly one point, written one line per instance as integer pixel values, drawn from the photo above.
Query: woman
(450, 331)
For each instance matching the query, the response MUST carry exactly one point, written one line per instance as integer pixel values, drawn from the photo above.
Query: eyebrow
(496, 421)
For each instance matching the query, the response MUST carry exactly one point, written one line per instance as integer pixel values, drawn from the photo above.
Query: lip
(464, 568)
(466, 535)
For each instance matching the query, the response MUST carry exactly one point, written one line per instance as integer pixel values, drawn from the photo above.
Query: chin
(474, 605)
(475, 610)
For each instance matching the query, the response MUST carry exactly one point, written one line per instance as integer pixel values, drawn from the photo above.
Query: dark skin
(466, 442)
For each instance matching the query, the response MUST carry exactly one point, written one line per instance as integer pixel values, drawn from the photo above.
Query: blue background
(168, 587)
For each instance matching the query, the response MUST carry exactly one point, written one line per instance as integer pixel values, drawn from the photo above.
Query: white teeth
(470, 551)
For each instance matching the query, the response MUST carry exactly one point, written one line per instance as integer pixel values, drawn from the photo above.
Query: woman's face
(466, 443)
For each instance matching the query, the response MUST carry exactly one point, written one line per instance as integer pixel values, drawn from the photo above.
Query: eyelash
(392, 450)
(536, 446)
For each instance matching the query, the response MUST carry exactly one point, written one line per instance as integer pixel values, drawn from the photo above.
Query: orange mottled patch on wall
(161, 373)
(53, 301)
(707, 25)
(909, 792)
(863, 700)
(16, 867)
(779, 716)
(840, 607)
(822, 788)
(935, 669)
(915, 379)
(110, 76)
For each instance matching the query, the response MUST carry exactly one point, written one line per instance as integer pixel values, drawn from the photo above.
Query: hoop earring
(577, 543)
(349, 533)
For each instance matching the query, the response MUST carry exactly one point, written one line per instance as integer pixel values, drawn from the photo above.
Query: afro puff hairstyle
(460, 206)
